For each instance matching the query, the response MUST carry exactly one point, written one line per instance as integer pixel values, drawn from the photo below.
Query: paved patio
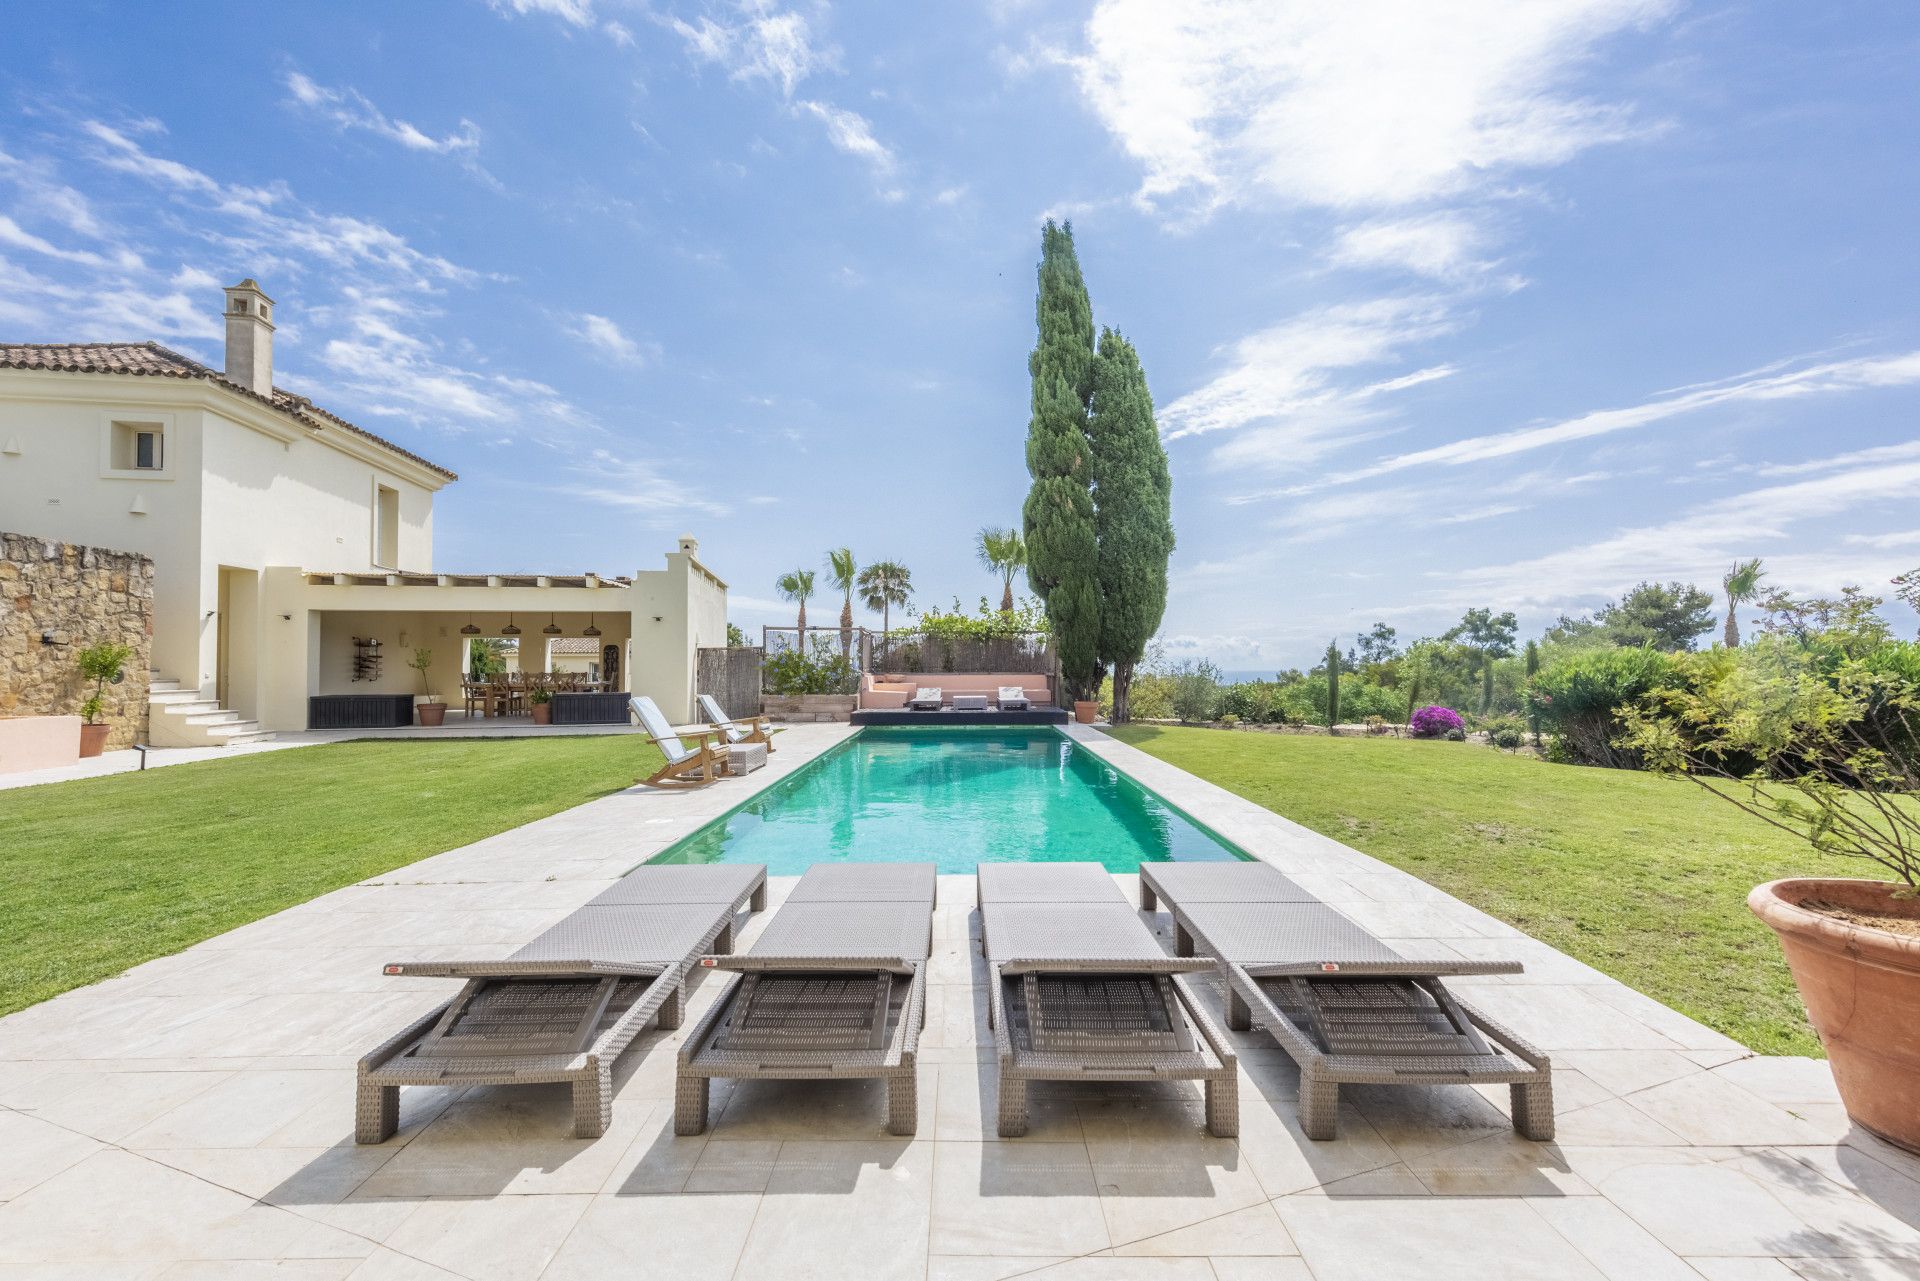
(193, 1118)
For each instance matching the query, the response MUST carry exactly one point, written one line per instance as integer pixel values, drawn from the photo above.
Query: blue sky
(1442, 304)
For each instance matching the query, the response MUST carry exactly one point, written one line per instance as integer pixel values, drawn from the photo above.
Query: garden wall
(56, 599)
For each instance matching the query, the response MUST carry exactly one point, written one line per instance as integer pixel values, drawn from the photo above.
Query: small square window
(139, 447)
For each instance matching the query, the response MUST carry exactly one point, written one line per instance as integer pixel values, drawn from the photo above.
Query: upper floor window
(134, 447)
(386, 526)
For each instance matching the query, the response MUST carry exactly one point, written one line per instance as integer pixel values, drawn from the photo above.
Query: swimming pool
(956, 797)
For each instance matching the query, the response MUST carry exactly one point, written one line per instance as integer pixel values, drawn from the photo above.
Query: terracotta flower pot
(431, 714)
(93, 739)
(1861, 987)
(542, 713)
(1085, 712)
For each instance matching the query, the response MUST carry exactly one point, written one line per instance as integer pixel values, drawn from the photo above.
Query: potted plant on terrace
(1829, 752)
(100, 663)
(540, 703)
(432, 711)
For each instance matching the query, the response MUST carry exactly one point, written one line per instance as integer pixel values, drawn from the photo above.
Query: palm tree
(884, 584)
(1003, 552)
(843, 569)
(1743, 585)
(797, 586)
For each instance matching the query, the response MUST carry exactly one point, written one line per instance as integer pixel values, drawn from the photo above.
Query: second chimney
(250, 337)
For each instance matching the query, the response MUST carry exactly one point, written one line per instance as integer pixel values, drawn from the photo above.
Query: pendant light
(590, 629)
(551, 629)
(470, 629)
(509, 629)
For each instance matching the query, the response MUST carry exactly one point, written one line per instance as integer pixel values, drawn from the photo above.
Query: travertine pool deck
(193, 1118)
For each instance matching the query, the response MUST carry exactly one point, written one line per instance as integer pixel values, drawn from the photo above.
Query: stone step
(251, 736)
(216, 716)
(174, 697)
(163, 685)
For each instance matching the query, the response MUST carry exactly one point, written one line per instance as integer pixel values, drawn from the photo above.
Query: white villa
(282, 534)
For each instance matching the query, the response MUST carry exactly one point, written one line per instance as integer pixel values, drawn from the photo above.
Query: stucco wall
(56, 598)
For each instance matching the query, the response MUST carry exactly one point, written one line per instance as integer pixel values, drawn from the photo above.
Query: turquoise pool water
(957, 797)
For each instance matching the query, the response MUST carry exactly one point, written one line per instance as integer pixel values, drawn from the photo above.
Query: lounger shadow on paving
(834, 988)
(1348, 1008)
(566, 1005)
(1079, 989)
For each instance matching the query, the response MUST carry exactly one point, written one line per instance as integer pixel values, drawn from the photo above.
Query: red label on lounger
(1329, 967)
(706, 962)
(390, 969)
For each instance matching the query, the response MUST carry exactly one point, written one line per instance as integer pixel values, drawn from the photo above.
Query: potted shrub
(540, 703)
(432, 711)
(1831, 753)
(100, 664)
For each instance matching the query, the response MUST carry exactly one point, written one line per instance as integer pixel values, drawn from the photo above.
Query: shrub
(1229, 720)
(1509, 738)
(1581, 700)
(1196, 689)
(1377, 725)
(1437, 722)
(826, 671)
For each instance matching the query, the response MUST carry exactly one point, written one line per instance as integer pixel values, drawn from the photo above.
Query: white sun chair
(703, 763)
(745, 729)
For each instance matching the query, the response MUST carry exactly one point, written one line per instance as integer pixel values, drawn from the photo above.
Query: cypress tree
(1058, 519)
(1333, 683)
(1133, 512)
(1533, 669)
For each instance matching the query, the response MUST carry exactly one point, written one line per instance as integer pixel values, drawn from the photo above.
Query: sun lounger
(1013, 698)
(746, 729)
(926, 698)
(1080, 990)
(1348, 1008)
(563, 1007)
(835, 988)
(703, 763)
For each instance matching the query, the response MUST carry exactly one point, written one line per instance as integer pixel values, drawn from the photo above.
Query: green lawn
(1640, 877)
(102, 874)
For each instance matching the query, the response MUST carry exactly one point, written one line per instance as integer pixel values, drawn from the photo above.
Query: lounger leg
(1533, 1110)
(1239, 1014)
(1182, 941)
(690, 1104)
(1148, 902)
(723, 941)
(376, 1112)
(1013, 1107)
(673, 1010)
(903, 1104)
(758, 903)
(1223, 1107)
(593, 1103)
(1319, 1107)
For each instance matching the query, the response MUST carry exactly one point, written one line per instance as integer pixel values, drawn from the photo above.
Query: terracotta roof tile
(151, 360)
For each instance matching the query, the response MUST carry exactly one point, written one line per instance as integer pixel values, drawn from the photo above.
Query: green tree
(487, 657)
(1487, 636)
(1005, 553)
(101, 663)
(1058, 518)
(1333, 683)
(1667, 616)
(882, 585)
(1742, 584)
(797, 585)
(842, 570)
(1533, 670)
(1133, 513)
(1379, 646)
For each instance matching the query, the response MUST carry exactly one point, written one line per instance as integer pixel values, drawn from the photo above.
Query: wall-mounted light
(658, 619)
(286, 618)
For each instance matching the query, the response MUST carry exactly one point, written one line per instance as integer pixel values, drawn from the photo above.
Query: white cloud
(766, 44)
(12, 233)
(348, 108)
(611, 341)
(577, 13)
(638, 484)
(1822, 379)
(1347, 106)
(1444, 246)
(1901, 538)
(849, 131)
(1283, 394)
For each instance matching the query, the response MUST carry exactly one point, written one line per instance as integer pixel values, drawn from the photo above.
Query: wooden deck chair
(740, 729)
(703, 763)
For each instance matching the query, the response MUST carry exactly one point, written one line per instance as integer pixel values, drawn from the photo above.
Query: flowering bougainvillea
(1435, 722)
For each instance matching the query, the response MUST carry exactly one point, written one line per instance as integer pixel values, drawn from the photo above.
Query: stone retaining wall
(55, 600)
(808, 707)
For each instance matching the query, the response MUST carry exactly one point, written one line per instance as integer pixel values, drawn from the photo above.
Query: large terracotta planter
(1086, 712)
(93, 739)
(542, 713)
(431, 714)
(1861, 987)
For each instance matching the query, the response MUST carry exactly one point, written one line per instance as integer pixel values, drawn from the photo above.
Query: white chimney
(250, 337)
(690, 545)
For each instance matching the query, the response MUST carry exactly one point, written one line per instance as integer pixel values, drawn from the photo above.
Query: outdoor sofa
(834, 988)
(1346, 1007)
(566, 1005)
(1079, 989)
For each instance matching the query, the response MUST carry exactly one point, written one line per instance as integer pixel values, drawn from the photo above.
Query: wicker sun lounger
(835, 988)
(1080, 990)
(926, 698)
(1347, 1008)
(563, 1007)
